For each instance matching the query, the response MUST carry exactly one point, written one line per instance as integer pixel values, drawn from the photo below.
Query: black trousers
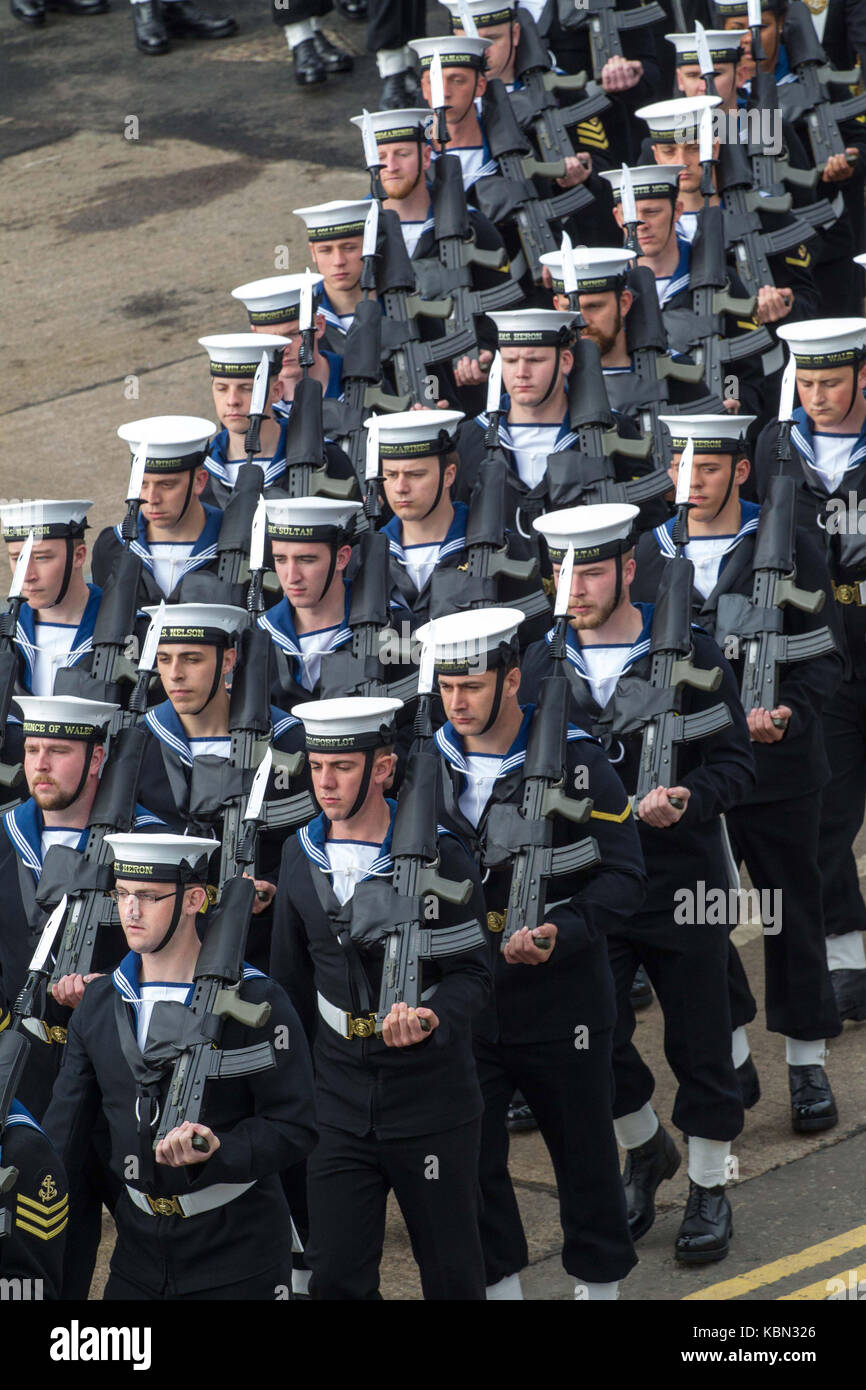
(91, 1187)
(778, 841)
(392, 23)
(687, 965)
(435, 1180)
(293, 11)
(843, 803)
(569, 1090)
(263, 1288)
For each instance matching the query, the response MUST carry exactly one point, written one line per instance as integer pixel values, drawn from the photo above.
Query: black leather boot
(393, 96)
(150, 32)
(645, 1167)
(309, 67)
(78, 6)
(333, 59)
(28, 11)
(812, 1103)
(849, 987)
(184, 20)
(353, 9)
(707, 1227)
(641, 993)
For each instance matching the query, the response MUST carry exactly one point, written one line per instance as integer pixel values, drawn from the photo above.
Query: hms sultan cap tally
(648, 181)
(410, 123)
(416, 433)
(175, 443)
(598, 532)
(710, 434)
(725, 46)
(48, 519)
(274, 300)
(455, 51)
(597, 269)
(319, 519)
(535, 327)
(353, 724)
(200, 624)
(826, 342)
(65, 717)
(676, 122)
(479, 640)
(239, 354)
(182, 859)
(334, 221)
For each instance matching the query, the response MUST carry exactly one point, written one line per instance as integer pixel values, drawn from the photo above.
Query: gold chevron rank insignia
(803, 257)
(44, 1219)
(593, 133)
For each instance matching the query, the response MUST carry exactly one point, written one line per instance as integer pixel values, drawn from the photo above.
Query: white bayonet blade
(569, 270)
(427, 666)
(21, 566)
(563, 584)
(684, 474)
(305, 317)
(259, 397)
(437, 86)
(789, 386)
(754, 13)
(259, 787)
(371, 462)
(629, 207)
(49, 934)
(371, 149)
(151, 641)
(257, 536)
(494, 384)
(136, 473)
(705, 61)
(705, 136)
(467, 22)
(371, 230)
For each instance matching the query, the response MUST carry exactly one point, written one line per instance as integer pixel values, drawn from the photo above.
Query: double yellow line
(777, 1270)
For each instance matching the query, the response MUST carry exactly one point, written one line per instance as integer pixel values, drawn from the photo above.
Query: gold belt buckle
(164, 1206)
(847, 593)
(496, 921)
(361, 1027)
(55, 1034)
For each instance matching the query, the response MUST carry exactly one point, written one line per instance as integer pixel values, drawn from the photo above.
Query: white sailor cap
(728, 8)
(175, 443)
(647, 181)
(335, 221)
(677, 122)
(416, 433)
(711, 434)
(47, 519)
(486, 13)
(395, 127)
(596, 532)
(478, 640)
(596, 268)
(275, 300)
(310, 518)
(455, 51)
(201, 624)
(535, 327)
(239, 354)
(349, 725)
(725, 46)
(826, 342)
(162, 858)
(65, 717)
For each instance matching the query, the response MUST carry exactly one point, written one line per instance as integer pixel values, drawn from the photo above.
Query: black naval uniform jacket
(363, 1086)
(202, 561)
(36, 1207)
(218, 488)
(719, 771)
(796, 765)
(543, 1003)
(836, 519)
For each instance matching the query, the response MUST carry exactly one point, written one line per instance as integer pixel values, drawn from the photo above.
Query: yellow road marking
(820, 1289)
(780, 1269)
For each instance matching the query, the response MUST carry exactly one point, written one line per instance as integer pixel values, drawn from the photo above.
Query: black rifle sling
(148, 1082)
(340, 928)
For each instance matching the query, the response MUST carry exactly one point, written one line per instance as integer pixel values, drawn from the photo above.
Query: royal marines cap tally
(465, 643)
(175, 443)
(416, 433)
(47, 519)
(354, 724)
(676, 122)
(276, 299)
(597, 269)
(597, 533)
(239, 354)
(202, 624)
(647, 180)
(534, 327)
(826, 342)
(65, 717)
(711, 434)
(162, 858)
(335, 221)
(310, 518)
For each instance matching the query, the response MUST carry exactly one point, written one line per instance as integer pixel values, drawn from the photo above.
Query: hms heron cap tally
(161, 858)
(711, 434)
(534, 327)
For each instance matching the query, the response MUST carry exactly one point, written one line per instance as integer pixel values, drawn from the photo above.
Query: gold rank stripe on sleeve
(592, 132)
(609, 815)
(45, 1223)
(5, 1020)
(803, 257)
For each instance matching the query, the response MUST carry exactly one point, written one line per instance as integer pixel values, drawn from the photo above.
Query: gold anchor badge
(47, 1191)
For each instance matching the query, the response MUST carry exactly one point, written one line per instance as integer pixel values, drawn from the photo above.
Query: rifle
(742, 224)
(606, 23)
(10, 775)
(522, 836)
(512, 194)
(306, 460)
(14, 1050)
(361, 381)
(548, 121)
(809, 61)
(410, 357)
(189, 1035)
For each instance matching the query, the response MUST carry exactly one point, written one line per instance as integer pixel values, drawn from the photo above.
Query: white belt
(347, 1025)
(191, 1205)
(45, 1032)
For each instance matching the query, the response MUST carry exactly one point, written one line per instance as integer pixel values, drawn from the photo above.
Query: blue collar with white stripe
(279, 623)
(681, 277)
(802, 437)
(455, 536)
(204, 547)
(24, 825)
(313, 836)
(82, 642)
(20, 1115)
(329, 313)
(564, 439)
(639, 648)
(489, 165)
(750, 515)
(217, 458)
(451, 746)
(127, 979)
(164, 723)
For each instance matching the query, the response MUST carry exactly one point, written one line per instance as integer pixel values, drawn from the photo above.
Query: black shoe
(750, 1086)
(309, 67)
(150, 32)
(332, 58)
(812, 1103)
(520, 1118)
(393, 96)
(849, 987)
(184, 19)
(645, 1167)
(353, 9)
(705, 1234)
(78, 6)
(641, 992)
(28, 11)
